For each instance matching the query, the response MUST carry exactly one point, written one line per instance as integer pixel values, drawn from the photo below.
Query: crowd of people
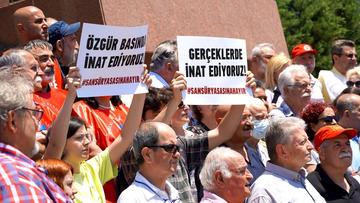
(296, 139)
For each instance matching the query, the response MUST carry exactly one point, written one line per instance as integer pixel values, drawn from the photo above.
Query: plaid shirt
(193, 152)
(21, 181)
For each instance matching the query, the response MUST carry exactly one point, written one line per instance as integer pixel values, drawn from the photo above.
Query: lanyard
(148, 187)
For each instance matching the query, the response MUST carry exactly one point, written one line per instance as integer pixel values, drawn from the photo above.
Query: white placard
(215, 70)
(111, 60)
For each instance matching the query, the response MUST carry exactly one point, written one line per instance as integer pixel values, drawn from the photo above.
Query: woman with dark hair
(316, 115)
(91, 174)
(61, 173)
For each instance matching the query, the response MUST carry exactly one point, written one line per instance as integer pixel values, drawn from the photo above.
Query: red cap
(329, 132)
(301, 49)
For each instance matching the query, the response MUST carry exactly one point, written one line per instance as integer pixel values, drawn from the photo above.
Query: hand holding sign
(73, 79)
(145, 78)
(177, 85)
(250, 81)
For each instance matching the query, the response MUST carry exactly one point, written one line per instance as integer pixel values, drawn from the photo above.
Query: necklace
(104, 107)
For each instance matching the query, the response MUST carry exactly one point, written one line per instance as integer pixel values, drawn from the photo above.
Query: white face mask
(260, 127)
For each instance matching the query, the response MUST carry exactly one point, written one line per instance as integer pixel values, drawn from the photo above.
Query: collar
(336, 72)
(286, 173)
(286, 109)
(12, 151)
(158, 81)
(212, 197)
(154, 192)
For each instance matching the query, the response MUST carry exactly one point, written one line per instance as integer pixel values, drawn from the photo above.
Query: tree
(319, 23)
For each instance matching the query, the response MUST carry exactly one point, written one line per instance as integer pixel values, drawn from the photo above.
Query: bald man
(30, 23)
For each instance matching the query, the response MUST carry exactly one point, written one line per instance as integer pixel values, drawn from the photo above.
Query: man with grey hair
(20, 179)
(331, 178)
(295, 86)
(225, 176)
(260, 56)
(344, 58)
(20, 60)
(157, 156)
(164, 64)
(284, 179)
(42, 52)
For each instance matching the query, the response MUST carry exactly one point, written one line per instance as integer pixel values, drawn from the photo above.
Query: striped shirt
(22, 181)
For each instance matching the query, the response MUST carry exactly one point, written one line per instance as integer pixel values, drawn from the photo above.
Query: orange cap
(301, 49)
(329, 132)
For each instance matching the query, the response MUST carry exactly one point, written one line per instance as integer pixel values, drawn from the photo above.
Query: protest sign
(111, 60)
(215, 70)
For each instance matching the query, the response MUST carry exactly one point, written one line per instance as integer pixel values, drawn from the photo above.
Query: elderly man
(260, 56)
(348, 109)
(157, 155)
(23, 61)
(225, 177)
(304, 54)
(343, 55)
(164, 64)
(30, 23)
(62, 37)
(295, 86)
(330, 178)
(42, 52)
(284, 179)
(20, 179)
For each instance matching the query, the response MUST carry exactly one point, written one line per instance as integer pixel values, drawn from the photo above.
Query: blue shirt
(278, 184)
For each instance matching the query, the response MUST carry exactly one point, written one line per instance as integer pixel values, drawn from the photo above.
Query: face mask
(260, 127)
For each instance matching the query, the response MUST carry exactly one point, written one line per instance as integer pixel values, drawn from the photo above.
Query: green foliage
(319, 23)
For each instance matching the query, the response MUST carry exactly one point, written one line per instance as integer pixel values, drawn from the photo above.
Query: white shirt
(158, 81)
(141, 191)
(316, 94)
(333, 83)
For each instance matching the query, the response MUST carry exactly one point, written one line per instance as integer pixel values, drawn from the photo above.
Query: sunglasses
(170, 148)
(350, 55)
(351, 83)
(327, 119)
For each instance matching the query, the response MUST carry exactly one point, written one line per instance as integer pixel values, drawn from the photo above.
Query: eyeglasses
(36, 113)
(350, 55)
(328, 119)
(44, 58)
(170, 148)
(267, 56)
(351, 83)
(303, 86)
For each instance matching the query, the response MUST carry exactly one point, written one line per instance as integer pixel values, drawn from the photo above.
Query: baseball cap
(301, 49)
(329, 132)
(61, 29)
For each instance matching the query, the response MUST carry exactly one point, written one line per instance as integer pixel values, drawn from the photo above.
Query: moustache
(345, 155)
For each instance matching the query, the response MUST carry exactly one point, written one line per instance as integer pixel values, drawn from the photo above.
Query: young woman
(90, 175)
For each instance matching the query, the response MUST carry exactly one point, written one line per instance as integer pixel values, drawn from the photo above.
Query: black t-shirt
(332, 192)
